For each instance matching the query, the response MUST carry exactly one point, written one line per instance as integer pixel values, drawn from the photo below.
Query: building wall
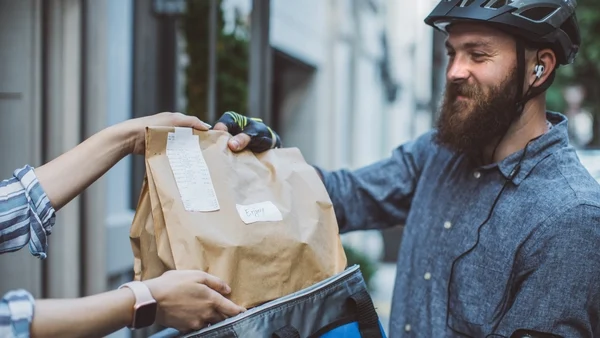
(344, 100)
(342, 118)
(62, 131)
(65, 73)
(119, 108)
(20, 119)
(342, 40)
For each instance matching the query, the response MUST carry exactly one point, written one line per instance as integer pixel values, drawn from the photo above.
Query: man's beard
(469, 126)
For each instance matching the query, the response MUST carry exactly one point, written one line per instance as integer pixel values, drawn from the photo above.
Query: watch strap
(144, 309)
(141, 292)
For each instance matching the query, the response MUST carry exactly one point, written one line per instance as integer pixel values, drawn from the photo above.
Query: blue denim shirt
(537, 261)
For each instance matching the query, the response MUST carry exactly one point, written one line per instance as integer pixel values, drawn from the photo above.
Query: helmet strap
(520, 99)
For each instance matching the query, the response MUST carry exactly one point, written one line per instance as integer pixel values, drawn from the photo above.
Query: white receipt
(191, 172)
(182, 132)
(259, 212)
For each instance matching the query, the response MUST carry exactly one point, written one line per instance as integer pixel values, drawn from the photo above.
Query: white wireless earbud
(539, 70)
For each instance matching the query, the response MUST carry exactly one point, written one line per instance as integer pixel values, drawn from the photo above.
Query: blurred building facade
(65, 73)
(346, 82)
(350, 81)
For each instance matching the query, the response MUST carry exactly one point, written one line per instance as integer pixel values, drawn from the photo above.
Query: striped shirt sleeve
(26, 215)
(16, 313)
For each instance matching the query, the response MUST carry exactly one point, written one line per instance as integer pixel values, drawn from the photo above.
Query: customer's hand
(249, 133)
(190, 300)
(136, 128)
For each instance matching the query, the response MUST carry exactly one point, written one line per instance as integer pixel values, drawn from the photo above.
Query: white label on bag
(183, 132)
(191, 172)
(259, 212)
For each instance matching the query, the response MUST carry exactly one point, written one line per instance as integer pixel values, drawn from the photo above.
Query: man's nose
(457, 71)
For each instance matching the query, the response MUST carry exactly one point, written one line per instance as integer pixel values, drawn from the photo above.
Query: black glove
(262, 137)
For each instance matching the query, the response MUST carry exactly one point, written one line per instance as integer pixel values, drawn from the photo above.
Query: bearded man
(502, 221)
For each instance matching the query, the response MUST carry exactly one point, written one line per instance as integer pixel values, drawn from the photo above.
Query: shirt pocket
(476, 293)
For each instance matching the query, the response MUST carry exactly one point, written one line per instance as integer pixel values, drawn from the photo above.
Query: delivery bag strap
(365, 314)
(368, 320)
(286, 332)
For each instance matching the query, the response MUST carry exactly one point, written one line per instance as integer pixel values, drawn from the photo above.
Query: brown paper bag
(269, 231)
(146, 262)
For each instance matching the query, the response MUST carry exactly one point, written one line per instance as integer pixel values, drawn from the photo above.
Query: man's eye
(478, 55)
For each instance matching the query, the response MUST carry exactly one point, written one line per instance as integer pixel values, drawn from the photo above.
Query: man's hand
(249, 133)
(136, 128)
(190, 300)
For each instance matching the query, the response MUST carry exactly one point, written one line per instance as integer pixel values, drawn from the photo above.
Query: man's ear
(542, 65)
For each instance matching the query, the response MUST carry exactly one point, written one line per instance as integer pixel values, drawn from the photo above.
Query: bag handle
(368, 320)
(287, 331)
(366, 316)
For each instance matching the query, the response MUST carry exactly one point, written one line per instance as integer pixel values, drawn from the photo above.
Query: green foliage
(586, 69)
(367, 266)
(232, 61)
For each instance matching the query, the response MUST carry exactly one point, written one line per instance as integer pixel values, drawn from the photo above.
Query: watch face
(145, 315)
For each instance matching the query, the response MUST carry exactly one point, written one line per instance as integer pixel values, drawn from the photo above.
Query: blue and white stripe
(16, 312)
(26, 218)
(26, 215)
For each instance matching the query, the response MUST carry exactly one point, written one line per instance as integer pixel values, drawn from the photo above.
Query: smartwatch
(144, 310)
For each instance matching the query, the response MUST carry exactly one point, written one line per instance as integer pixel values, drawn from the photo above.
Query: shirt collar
(540, 148)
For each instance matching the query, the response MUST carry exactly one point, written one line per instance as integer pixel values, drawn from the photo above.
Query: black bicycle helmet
(538, 23)
(550, 23)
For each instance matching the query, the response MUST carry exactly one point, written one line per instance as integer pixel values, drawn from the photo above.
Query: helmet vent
(465, 3)
(570, 27)
(495, 4)
(538, 13)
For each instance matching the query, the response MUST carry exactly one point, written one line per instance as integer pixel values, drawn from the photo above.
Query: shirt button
(407, 327)
(427, 276)
(477, 174)
(447, 225)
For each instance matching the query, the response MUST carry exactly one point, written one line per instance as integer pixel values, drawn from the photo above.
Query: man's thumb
(239, 142)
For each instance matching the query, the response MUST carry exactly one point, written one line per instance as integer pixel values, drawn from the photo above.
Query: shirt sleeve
(557, 289)
(16, 314)
(26, 214)
(379, 195)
